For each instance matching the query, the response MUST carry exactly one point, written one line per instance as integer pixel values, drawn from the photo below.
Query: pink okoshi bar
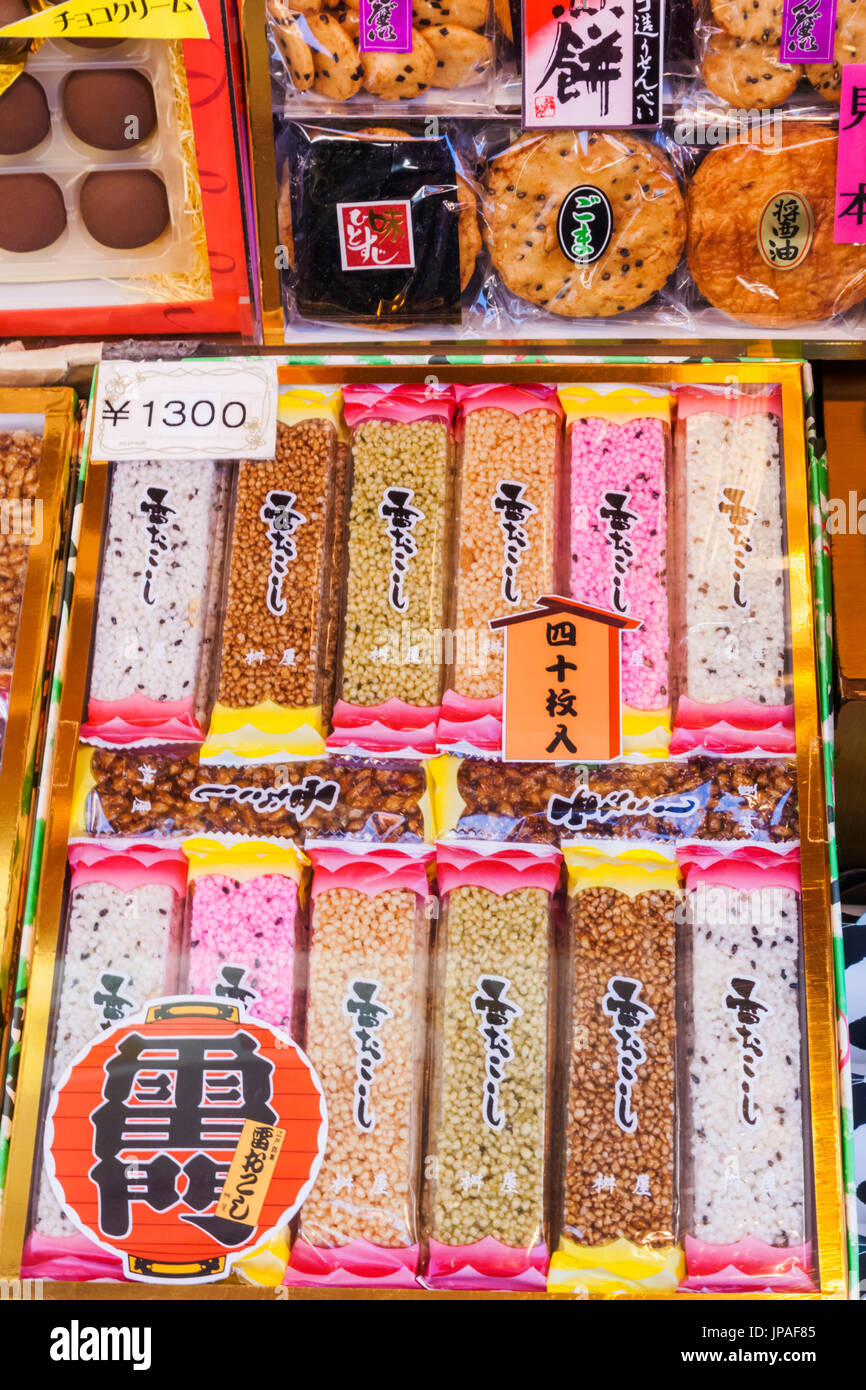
(618, 538)
(242, 938)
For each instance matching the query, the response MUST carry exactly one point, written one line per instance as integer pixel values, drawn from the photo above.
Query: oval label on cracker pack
(584, 225)
(785, 231)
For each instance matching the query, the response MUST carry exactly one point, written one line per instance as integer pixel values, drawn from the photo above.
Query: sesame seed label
(585, 224)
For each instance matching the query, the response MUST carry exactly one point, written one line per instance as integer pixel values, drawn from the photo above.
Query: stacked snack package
(704, 797)
(745, 1184)
(394, 618)
(121, 793)
(733, 686)
(278, 635)
(486, 1153)
(243, 924)
(618, 456)
(364, 1036)
(162, 554)
(122, 947)
(618, 1213)
(507, 495)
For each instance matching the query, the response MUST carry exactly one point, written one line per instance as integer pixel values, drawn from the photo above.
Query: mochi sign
(183, 1136)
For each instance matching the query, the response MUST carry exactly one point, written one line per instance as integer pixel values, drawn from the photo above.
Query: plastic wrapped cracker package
(365, 1004)
(486, 1154)
(505, 521)
(733, 654)
(20, 452)
(160, 795)
(618, 1213)
(708, 798)
(277, 640)
(618, 459)
(394, 616)
(242, 906)
(162, 553)
(746, 1209)
(122, 947)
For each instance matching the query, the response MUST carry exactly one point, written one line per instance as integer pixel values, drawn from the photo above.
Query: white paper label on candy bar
(219, 408)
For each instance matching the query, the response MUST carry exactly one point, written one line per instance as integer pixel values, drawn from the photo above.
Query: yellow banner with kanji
(114, 19)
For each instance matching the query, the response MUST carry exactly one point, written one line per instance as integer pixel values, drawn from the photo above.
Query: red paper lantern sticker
(182, 1137)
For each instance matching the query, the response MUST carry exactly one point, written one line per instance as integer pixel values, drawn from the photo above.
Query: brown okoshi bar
(378, 802)
(726, 799)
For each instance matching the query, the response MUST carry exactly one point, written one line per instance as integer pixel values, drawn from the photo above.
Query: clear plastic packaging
(618, 458)
(505, 541)
(158, 794)
(69, 161)
(733, 653)
(243, 909)
(365, 1009)
(454, 66)
(746, 1204)
(122, 947)
(280, 597)
(618, 1216)
(487, 1151)
(380, 227)
(152, 643)
(707, 798)
(394, 619)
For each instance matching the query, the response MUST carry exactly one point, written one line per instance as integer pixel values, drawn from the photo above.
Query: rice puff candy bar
(731, 197)
(529, 207)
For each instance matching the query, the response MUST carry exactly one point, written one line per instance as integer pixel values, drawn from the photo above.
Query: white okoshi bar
(744, 1066)
(735, 587)
(119, 953)
(163, 518)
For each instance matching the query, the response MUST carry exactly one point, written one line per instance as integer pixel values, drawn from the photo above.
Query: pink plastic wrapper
(365, 1037)
(121, 948)
(745, 1188)
(390, 683)
(486, 1165)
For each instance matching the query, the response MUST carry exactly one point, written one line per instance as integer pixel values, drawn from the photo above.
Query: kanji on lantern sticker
(183, 1136)
(563, 682)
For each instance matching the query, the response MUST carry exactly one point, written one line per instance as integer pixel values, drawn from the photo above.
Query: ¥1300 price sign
(219, 408)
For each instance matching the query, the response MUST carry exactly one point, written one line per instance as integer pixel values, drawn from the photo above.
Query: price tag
(219, 408)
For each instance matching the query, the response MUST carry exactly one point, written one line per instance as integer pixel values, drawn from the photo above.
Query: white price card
(192, 409)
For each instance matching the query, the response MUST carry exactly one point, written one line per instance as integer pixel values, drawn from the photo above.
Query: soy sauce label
(785, 231)
(584, 225)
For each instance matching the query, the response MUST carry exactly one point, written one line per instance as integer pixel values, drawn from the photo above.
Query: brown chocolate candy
(13, 10)
(96, 43)
(24, 116)
(110, 109)
(124, 208)
(32, 212)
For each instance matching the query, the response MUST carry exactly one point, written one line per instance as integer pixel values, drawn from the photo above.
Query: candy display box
(436, 895)
(121, 180)
(37, 433)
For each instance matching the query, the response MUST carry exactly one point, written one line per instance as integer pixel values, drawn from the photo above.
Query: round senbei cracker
(849, 47)
(760, 20)
(527, 189)
(727, 202)
(748, 74)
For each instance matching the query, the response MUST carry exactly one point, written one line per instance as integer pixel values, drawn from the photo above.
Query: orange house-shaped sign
(562, 682)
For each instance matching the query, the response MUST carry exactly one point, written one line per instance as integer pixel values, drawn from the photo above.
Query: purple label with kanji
(386, 26)
(808, 31)
(849, 223)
